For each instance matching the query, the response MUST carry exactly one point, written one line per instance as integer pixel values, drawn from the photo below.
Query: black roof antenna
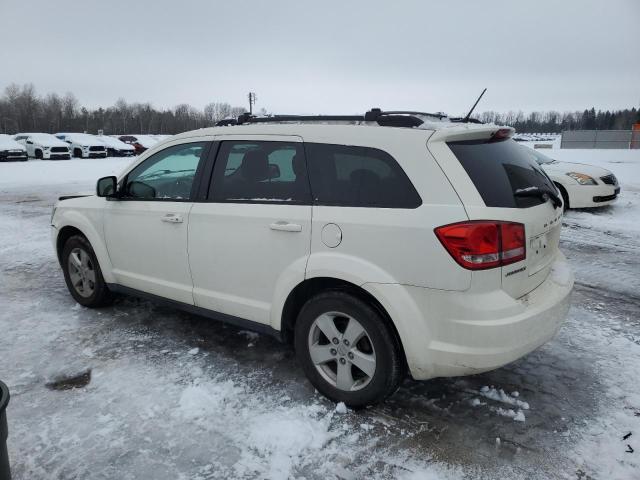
(468, 116)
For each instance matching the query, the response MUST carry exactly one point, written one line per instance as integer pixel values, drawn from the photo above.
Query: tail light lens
(478, 245)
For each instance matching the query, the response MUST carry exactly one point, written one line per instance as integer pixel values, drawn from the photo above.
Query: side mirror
(106, 186)
(29, 142)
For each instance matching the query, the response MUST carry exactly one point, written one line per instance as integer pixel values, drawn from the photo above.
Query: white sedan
(581, 185)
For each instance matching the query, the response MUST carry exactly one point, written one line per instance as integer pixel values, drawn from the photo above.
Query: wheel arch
(64, 234)
(313, 286)
(75, 224)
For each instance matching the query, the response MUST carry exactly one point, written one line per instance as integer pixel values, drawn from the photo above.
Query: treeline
(556, 122)
(23, 110)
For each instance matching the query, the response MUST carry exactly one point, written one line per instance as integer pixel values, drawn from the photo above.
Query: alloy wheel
(342, 351)
(82, 272)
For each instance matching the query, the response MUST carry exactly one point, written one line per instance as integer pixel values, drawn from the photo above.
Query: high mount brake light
(481, 244)
(502, 134)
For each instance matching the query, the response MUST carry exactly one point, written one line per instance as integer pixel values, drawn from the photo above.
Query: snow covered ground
(168, 395)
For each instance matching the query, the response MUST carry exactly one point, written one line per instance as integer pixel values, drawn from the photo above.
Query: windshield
(538, 157)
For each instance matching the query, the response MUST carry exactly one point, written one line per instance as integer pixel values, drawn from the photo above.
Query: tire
(77, 153)
(38, 154)
(565, 197)
(377, 344)
(87, 288)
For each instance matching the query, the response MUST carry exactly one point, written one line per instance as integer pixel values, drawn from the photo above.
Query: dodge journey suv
(380, 245)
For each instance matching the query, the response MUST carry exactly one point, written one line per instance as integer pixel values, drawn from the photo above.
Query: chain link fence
(611, 139)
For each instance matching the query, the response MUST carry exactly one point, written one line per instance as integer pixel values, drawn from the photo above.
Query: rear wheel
(82, 273)
(347, 350)
(38, 154)
(77, 153)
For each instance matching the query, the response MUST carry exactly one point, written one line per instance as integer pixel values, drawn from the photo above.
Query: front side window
(343, 175)
(260, 172)
(167, 175)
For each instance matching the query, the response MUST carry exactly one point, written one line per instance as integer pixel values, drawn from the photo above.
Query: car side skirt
(202, 312)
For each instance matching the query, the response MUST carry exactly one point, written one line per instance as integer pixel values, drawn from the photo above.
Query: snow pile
(206, 400)
(499, 395)
(517, 416)
(283, 436)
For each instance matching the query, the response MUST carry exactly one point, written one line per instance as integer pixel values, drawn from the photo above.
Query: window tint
(260, 172)
(167, 175)
(499, 169)
(358, 177)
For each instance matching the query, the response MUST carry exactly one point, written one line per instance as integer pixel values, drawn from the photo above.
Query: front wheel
(82, 273)
(347, 349)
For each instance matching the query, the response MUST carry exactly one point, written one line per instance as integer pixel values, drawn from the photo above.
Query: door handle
(286, 227)
(172, 218)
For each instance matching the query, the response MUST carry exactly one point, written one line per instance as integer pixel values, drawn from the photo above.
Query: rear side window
(260, 172)
(349, 176)
(500, 168)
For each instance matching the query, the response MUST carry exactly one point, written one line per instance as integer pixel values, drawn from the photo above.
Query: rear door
(250, 240)
(490, 174)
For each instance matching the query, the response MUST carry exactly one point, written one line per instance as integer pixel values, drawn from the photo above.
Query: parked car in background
(373, 249)
(139, 142)
(10, 150)
(44, 146)
(115, 147)
(581, 185)
(83, 145)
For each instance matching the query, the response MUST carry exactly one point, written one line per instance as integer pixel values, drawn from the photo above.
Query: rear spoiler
(469, 131)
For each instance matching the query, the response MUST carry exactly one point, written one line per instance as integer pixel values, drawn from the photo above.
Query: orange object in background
(635, 136)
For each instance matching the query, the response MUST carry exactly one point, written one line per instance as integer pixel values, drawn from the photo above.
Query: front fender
(89, 222)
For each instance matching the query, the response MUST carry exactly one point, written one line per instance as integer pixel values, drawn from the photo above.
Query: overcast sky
(329, 56)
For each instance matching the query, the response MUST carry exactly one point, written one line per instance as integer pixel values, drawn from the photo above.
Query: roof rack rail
(394, 118)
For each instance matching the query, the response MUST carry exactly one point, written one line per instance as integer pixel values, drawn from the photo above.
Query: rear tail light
(481, 244)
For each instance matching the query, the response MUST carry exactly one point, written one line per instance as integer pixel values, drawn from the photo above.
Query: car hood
(562, 168)
(10, 144)
(87, 143)
(48, 142)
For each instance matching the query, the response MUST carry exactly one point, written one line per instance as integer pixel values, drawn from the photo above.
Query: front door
(146, 229)
(251, 239)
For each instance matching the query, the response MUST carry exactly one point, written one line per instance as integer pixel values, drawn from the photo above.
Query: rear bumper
(462, 333)
(589, 196)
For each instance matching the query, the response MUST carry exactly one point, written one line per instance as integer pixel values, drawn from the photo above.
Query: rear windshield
(500, 168)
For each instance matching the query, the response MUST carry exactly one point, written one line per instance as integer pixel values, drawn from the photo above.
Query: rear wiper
(544, 194)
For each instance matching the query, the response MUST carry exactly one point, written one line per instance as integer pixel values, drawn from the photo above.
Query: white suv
(43, 146)
(422, 245)
(83, 145)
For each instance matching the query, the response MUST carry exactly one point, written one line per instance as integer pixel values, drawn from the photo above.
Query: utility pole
(252, 102)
